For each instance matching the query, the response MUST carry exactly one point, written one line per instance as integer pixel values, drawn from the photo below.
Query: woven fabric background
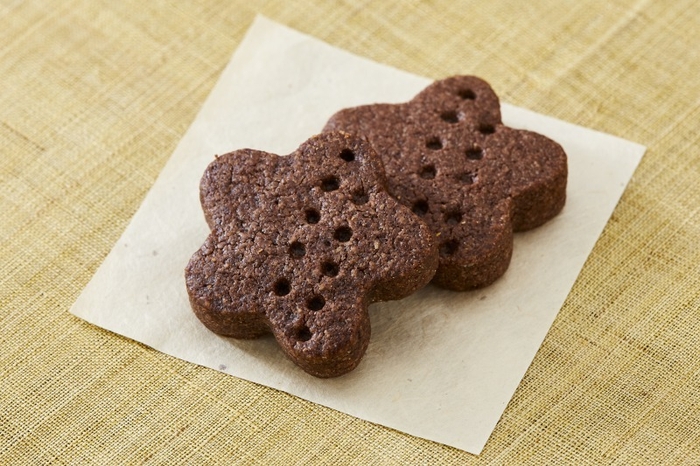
(95, 95)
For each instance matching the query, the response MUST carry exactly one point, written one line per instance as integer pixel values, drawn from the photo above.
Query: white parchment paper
(441, 365)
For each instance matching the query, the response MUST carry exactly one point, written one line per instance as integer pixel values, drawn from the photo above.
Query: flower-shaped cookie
(299, 247)
(449, 158)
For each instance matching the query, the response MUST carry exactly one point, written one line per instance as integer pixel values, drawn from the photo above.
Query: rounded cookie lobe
(538, 185)
(449, 158)
(300, 245)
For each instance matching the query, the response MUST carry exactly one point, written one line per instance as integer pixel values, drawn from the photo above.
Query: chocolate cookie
(301, 245)
(451, 160)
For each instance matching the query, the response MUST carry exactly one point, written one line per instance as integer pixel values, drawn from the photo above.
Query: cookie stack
(386, 199)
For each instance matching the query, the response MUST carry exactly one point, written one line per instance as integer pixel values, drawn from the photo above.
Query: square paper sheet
(441, 365)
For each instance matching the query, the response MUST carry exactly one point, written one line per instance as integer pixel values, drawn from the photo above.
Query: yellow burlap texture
(94, 96)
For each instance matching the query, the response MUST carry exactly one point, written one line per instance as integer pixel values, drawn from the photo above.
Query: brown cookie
(448, 157)
(301, 245)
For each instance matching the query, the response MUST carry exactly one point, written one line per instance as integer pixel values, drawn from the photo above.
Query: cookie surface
(300, 245)
(475, 181)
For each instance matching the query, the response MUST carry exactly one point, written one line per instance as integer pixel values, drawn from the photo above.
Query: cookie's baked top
(300, 245)
(450, 159)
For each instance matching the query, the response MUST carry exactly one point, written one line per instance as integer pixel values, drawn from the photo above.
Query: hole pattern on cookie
(330, 183)
(303, 333)
(455, 125)
(359, 197)
(312, 215)
(347, 155)
(300, 263)
(282, 287)
(315, 303)
(475, 153)
(453, 217)
(420, 207)
(487, 129)
(449, 247)
(433, 143)
(450, 116)
(466, 94)
(468, 178)
(428, 172)
(330, 269)
(343, 234)
(297, 249)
